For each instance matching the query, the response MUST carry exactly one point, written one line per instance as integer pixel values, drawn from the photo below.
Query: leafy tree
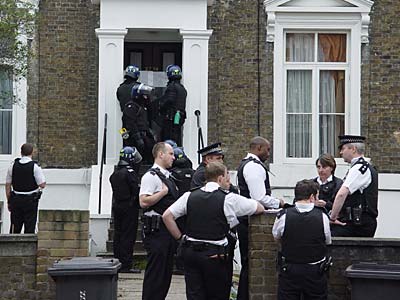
(17, 25)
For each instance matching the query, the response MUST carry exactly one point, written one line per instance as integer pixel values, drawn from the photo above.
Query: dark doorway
(153, 56)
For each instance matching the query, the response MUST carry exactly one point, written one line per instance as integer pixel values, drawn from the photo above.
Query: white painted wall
(187, 14)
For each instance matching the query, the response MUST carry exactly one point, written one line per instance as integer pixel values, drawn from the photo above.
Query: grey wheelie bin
(374, 281)
(86, 278)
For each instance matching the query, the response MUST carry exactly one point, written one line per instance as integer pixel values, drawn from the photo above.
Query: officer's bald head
(258, 141)
(260, 147)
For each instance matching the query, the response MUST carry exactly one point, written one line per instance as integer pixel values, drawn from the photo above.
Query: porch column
(195, 79)
(111, 60)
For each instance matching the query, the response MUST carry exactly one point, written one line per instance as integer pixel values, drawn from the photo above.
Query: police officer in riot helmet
(173, 106)
(124, 91)
(355, 207)
(125, 185)
(303, 232)
(136, 129)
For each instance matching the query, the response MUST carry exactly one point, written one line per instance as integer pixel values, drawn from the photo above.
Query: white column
(111, 60)
(195, 79)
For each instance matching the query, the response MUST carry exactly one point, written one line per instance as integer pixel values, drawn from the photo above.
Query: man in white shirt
(303, 231)
(253, 181)
(157, 192)
(211, 211)
(24, 182)
(355, 207)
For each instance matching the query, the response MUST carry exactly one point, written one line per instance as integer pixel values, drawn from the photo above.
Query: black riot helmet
(132, 71)
(174, 72)
(130, 155)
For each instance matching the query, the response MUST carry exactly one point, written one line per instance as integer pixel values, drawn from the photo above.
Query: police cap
(214, 149)
(348, 139)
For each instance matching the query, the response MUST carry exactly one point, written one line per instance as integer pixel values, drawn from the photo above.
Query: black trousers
(243, 235)
(160, 247)
(125, 229)
(24, 210)
(170, 131)
(366, 229)
(206, 278)
(302, 282)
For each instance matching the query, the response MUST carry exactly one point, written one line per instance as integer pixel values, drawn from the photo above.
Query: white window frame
(346, 16)
(314, 67)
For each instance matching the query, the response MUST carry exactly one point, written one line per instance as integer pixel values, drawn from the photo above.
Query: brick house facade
(66, 81)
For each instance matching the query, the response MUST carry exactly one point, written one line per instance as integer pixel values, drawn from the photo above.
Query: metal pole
(103, 160)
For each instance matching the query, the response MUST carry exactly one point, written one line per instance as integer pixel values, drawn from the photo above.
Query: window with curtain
(6, 107)
(316, 66)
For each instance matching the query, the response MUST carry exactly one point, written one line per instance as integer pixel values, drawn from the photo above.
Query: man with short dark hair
(355, 208)
(157, 192)
(24, 183)
(210, 212)
(303, 231)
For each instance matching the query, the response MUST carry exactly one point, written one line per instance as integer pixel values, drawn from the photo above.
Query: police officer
(303, 231)
(124, 91)
(355, 208)
(125, 185)
(210, 212)
(136, 122)
(157, 192)
(173, 106)
(24, 183)
(329, 184)
(253, 181)
(209, 154)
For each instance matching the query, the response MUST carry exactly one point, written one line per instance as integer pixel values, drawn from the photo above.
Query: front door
(153, 59)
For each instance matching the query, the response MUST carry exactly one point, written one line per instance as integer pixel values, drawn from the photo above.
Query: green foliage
(17, 25)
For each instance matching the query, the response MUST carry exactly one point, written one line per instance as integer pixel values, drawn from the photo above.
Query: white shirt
(37, 173)
(234, 206)
(329, 179)
(254, 175)
(279, 226)
(355, 180)
(151, 184)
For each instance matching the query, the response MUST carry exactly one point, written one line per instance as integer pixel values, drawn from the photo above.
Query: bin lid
(85, 266)
(373, 271)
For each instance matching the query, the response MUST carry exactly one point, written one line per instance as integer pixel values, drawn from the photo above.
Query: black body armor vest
(244, 189)
(23, 179)
(173, 194)
(205, 215)
(303, 240)
(369, 198)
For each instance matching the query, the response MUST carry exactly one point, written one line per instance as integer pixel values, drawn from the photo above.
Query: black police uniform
(199, 177)
(360, 210)
(206, 278)
(124, 91)
(136, 120)
(125, 185)
(159, 244)
(303, 254)
(24, 207)
(328, 191)
(243, 228)
(173, 101)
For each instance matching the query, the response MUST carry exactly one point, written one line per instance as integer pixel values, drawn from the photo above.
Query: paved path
(130, 287)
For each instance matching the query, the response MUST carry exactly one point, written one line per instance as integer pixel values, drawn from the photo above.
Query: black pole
(200, 141)
(103, 160)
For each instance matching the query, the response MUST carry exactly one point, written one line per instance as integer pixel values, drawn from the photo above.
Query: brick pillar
(62, 234)
(262, 257)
